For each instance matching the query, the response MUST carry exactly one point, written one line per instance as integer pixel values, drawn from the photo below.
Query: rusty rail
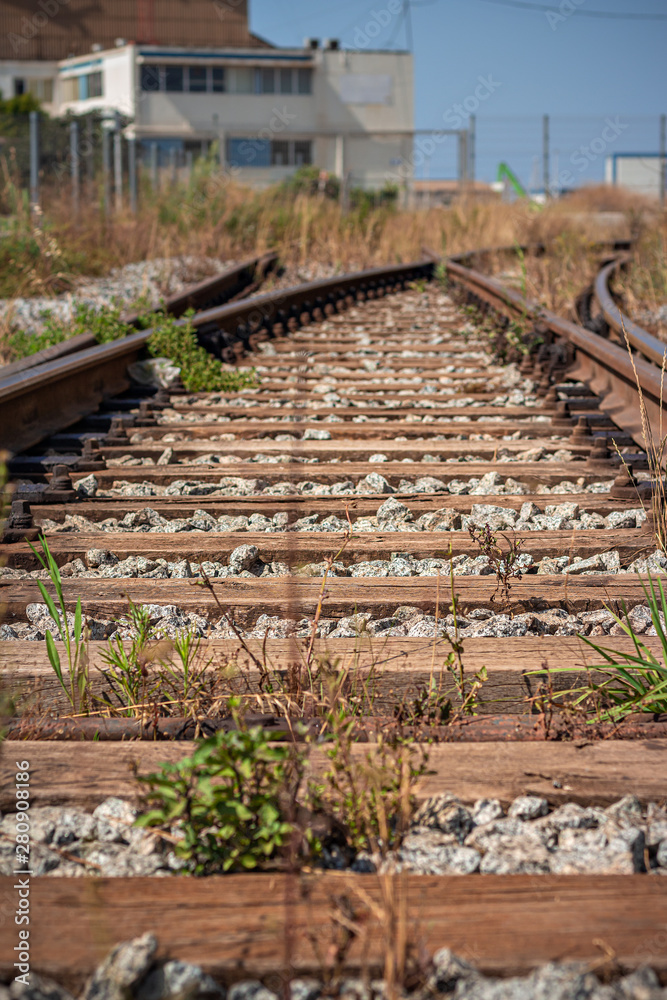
(607, 368)
(52, 396)
(647, 345)
(210, 292)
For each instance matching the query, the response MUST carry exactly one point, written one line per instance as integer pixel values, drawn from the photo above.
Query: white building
(268, 109)
(638, 172)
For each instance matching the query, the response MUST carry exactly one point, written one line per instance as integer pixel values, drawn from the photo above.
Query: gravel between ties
(447, 837)
(133, 971)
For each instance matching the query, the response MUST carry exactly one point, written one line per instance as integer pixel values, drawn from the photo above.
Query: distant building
(638, 172)
(188, 73)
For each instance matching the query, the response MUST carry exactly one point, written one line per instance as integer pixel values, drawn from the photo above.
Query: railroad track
(382, 427)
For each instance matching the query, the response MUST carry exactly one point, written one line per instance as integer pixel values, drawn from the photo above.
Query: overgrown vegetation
(73, 677)
(228, 801)
(240, 802)
(624, 683)
(642, 286)
(505, 564)
(200, 371)
(369, 794)
(171, 338)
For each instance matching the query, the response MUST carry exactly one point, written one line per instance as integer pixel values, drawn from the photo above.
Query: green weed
(75, 684)
(228, 802)
(630, 682)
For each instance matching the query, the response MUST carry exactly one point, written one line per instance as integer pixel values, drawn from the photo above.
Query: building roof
(56, 29)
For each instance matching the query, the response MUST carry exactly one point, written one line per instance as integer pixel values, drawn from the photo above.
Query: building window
(243, 80)
(286, 81)
(70, 87)
(95, 84)
(19, 87)
(264, 153)
(41, 89)
(265, 81)
(249, 152)
(304, 81)
(302, 153)
(197, 79)
(279, 153)
(150, 77)
(74, 88)
(173, 79)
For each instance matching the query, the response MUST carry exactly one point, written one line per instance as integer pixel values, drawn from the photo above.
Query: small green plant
(76, 684)
(441, 276)
(228, 804)
(369, 794)
(518, 249)
(104, 324)
(505, 565)
(419, 285)
(170, 338)
(430, 706)
(127, 672)
(200, 371)
(631, 682)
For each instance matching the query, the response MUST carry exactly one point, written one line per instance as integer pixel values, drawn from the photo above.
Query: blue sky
(579, 69)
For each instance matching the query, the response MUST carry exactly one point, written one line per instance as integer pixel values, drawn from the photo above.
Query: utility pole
(463, 159)
(472, 138)
(154, 166)
(663, 143)
(408, 25)
(545, 155)
(74, 163)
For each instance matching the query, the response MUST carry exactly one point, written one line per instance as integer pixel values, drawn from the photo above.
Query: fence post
(90, 155)
(132, 171)
(545, 155)
(74, 158)
(472, 139)
(118, 166)
(106, 169)
(154, 166)
(663, 143)
(34, 160)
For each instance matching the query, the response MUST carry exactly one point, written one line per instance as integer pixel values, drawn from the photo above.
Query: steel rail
(647, 345)
(212, 291)
(607, 368)
(54, 395)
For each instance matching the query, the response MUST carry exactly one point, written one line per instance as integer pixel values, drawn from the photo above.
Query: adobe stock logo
(565, 9)
(378, 20)
(33, 25)
(584, 155)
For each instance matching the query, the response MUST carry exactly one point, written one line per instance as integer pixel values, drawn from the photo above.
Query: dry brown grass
(216, 217)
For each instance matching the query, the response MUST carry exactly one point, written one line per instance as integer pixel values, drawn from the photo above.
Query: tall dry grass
(213, 216)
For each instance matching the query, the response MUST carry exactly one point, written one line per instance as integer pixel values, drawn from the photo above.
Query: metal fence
(98, 154)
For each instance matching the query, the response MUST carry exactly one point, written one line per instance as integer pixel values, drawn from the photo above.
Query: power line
(608, 14)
